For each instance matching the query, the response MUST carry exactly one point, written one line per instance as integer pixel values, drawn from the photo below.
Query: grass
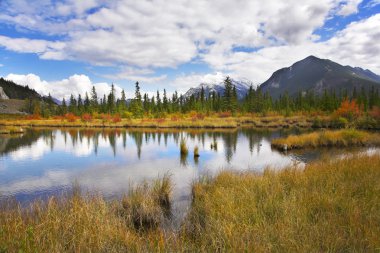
(196, 151)
(328, 138)
(330, 206)
(183, 147)
(88, 223)
(11, 130)
(186, 121)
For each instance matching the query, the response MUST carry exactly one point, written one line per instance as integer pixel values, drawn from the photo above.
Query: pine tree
(94, 99)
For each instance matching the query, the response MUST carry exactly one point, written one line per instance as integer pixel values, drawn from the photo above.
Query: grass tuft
(339, 138)
(183, 147)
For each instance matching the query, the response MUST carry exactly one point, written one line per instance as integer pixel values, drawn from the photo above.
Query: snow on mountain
(242, 87)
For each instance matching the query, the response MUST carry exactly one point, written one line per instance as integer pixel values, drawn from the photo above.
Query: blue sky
(65, 47)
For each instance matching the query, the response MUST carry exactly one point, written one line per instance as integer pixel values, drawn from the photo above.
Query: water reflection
(43, 162)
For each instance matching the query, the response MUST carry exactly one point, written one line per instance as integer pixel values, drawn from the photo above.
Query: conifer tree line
(161, 104)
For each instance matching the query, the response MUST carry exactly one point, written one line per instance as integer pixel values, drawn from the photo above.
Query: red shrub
(86, 117)
(225, 114)
(116, 118)
(375, 112)
(34, 117)
(160, 120)
(348, 109)
(70, 117)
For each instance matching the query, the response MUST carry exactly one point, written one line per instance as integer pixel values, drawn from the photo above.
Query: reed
(183, 147)
(196, 151)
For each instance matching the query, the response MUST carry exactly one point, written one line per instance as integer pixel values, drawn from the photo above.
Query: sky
(66, 47)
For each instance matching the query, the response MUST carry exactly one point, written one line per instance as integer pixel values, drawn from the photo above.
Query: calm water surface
(45, 162)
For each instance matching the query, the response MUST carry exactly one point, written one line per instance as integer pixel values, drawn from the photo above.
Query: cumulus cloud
(75, 84)
(158, 34)
(139, 37)
(349, 7)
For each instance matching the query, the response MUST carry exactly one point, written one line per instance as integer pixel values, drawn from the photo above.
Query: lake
(45, 162)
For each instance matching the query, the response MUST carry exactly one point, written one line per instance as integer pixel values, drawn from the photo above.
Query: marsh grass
(79, 222)
(329, 206)
(183, 148)
(328, 138)
(196, 151)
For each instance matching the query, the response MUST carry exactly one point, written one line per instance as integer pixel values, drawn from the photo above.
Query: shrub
(116, 118)
(34, 117)
(225, 114)
(70, 117)
(375, 113)
(86, 117)
(127, 115)
(348, 109)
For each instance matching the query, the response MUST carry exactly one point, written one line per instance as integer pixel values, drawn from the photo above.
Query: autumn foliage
(86, 117)
(348, 109)
(70, 117)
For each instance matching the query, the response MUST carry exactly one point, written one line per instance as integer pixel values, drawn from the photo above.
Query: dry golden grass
(328, 138)
(331, 206)
(212, 121)
(78, 223)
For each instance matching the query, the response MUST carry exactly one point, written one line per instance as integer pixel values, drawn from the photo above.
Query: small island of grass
(328, 138)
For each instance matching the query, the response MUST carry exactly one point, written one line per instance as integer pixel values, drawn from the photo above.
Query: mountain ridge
(315, 74)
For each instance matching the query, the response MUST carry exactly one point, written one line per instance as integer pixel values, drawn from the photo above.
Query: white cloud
(161, 34)
(75, 84)
(145, 35)
(372, 3)
(349, 7)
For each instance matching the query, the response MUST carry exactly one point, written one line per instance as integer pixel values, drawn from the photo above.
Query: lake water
(46, 162)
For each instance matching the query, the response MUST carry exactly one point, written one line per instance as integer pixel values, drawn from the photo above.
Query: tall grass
(339, 138)
(196, 151)
(331, 206)
(88, 223)
(183, 147)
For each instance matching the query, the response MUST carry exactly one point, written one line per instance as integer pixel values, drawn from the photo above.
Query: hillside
(314, 74)
(15, 91)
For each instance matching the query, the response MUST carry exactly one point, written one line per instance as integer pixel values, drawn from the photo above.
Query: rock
(2, 94)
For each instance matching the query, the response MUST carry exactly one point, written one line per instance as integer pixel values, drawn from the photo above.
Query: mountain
(242, 87)
(314, 74)
(15, 91)
(12, 90)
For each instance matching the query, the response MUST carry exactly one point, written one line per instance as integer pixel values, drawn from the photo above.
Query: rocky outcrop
(2, 94)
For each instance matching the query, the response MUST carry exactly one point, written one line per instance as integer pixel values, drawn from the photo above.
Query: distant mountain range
(309, 74)
(242, 87)
(317, 75)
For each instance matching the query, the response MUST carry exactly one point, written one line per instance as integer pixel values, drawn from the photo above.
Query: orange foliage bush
(375, 112)
(105, 117)
(34, 117)
(116, 118)
(86, 117)
(225, 114)
(70, 117)
(348, 109)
